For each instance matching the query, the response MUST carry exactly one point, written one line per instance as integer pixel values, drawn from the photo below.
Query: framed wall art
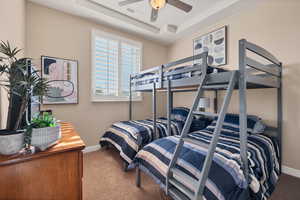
(62, 75)
(215, 43)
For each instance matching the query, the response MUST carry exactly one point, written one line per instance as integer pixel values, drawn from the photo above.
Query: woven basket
(43, 138)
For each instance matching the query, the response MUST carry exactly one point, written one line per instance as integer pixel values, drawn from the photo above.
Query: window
(113, 60)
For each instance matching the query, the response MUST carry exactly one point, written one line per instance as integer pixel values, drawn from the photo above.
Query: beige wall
(275, 25)
(53, 33)
(12, 23)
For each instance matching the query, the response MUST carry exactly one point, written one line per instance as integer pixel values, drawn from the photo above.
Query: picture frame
(62, 75)
(215, 43)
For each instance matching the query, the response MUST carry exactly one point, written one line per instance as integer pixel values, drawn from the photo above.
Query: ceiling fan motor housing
(157, 4)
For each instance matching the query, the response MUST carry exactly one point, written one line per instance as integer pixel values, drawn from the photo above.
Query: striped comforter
(226, 179)
(130, 136)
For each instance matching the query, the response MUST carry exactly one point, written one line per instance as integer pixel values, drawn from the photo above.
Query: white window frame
(94, 98)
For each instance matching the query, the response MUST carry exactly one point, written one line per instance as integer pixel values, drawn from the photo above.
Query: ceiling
(171, 24)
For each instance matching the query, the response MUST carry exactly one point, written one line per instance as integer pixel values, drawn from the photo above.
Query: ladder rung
(177, 195)
(183, 178)
(206, 113)
(182, 188)
(225, 86)
(193, 141)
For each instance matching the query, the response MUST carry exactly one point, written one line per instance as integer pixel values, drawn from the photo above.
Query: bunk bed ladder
(175, 178)
(186, 126)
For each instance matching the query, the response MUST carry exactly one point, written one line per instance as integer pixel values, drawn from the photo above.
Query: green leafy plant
(42, 121)
(19, 84)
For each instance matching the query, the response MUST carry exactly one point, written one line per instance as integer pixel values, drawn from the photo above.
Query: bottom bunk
(226, 179)
(128, 137)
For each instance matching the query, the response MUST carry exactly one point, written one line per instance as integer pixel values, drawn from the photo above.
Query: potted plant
(20, 86)
(43, 131)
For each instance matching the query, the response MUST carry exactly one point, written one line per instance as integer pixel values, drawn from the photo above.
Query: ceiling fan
(158, 4)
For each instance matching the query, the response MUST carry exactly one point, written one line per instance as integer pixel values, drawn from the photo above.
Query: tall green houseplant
(20, 84)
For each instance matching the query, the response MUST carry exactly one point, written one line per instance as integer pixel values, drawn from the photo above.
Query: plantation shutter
(106, 67)
(113, 60)
(130, 63)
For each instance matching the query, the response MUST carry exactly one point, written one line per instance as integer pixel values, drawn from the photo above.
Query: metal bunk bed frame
(251, 74)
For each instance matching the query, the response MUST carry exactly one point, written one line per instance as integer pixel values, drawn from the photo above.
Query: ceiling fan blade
(180, 5)
(127, 2)
(154, 15)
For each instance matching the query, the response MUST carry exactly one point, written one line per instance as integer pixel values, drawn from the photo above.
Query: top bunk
(258, 67)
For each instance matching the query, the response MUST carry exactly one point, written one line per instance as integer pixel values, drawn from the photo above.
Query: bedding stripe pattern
(130, 136)
(226, 179)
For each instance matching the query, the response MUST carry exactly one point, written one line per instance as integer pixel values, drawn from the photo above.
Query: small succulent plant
(44, 120)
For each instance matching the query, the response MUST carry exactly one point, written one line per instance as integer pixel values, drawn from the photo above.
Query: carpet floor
(104, 179)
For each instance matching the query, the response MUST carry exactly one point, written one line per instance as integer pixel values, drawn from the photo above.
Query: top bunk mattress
(150, 77)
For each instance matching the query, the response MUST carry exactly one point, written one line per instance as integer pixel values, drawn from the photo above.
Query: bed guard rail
(161, 73)
(264, 68)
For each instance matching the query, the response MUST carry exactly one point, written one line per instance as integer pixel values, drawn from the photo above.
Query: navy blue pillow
(200, 123)
(180, 113)
(235, 120)
(232, 121)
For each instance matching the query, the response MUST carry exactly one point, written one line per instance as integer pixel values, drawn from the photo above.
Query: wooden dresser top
(70, 141)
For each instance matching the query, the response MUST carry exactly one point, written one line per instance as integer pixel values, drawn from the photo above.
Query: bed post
(279, 115)
(216, 101)
(138, 176)
(130, 99)
(169, 106)
(154, 107)
(172, 100)
(161, 79)
(243, 108)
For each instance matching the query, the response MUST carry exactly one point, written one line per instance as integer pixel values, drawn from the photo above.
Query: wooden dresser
(55, 174)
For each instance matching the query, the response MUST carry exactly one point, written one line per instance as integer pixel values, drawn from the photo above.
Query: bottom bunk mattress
(226, 179)
(130, 136)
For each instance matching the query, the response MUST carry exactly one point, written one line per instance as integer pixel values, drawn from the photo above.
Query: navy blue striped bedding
(130, 136)
(226, 179)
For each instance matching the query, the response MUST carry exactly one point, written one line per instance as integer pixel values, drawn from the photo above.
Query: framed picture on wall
(215, 43)
(62, 75)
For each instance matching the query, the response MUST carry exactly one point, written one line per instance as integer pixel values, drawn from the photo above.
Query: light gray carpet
(105, 180)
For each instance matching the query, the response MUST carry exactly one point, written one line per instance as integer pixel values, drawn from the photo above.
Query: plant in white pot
(43, 132)
(20, 86)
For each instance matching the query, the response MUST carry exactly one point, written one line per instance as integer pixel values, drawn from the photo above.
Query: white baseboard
(90, 149)
(291, 171)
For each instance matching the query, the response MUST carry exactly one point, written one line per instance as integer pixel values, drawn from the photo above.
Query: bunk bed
(128, 137)
(190, 166)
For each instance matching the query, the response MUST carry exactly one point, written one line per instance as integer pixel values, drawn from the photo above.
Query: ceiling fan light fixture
(157, 4)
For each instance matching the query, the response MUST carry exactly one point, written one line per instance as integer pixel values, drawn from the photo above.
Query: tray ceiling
(171, 24)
